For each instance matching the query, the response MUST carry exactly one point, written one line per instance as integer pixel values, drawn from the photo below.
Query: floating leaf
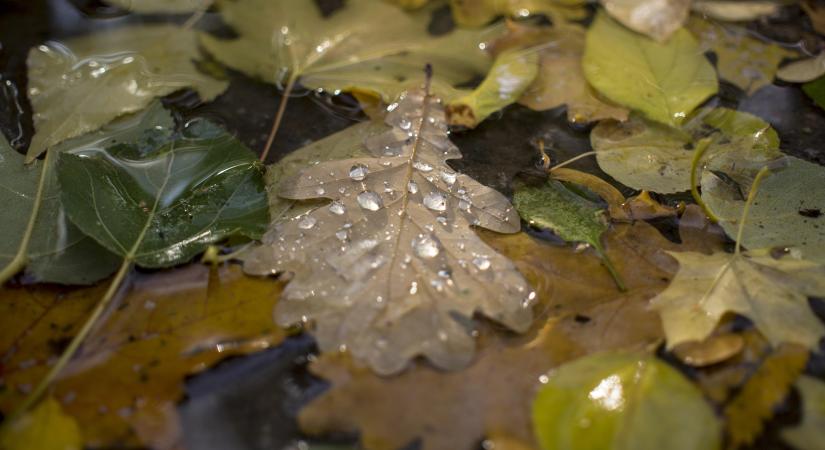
(123, 384)
(511, 74)
(773, 293)
(56, 250)
(665, 81)
(765, 389)
(788, 211)
(646, 155)
(657, 19)
(475, 13)
(735, 11)
(46, 427)
(804, 70)
(384, 56)
(401, 270)
(816, 91)
(571, 216)
(161, 6)
(612, 196)
(163, 205)
(809, 434)
(622, 401)
(79, 86)
(741, 59)
(560, 78)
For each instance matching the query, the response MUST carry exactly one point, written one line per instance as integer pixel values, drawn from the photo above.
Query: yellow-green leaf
(622, 401)
(46, 427)
(665, 81)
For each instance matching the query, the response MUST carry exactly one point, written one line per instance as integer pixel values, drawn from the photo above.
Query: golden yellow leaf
(46, 427)
(122, 385)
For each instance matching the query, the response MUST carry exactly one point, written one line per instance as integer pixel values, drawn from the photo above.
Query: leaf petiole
(701, 148)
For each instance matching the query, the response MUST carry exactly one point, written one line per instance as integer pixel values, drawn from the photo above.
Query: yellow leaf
(46, 427)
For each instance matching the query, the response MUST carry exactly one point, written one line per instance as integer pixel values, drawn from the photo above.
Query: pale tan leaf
(773, 293)
(736, 10)
(713, 350)
(803, 70)
(658, 19)
(391, 268)
(809, 434)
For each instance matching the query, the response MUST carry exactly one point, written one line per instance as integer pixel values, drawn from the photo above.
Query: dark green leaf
(816, 90)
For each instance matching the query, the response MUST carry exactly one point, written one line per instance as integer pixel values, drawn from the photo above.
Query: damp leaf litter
(436, 224)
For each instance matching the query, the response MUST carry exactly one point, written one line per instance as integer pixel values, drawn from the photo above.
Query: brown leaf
(123, 384)
(581, 312)
(815, 12)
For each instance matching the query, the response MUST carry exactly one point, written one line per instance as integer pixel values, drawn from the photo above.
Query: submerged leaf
(123, 384)
(764, 390)
(788, 211)
(162, 205)
(511, 74)
(382, 56)
(391, 268)
(659, 19)
(46, 427)
(809, 434)
(665, 81)
(747, 62)
(647, 155)
(80, 85)
(773, 293)
(161, 6)
(622, 401)
(560, 78)
(58, 252)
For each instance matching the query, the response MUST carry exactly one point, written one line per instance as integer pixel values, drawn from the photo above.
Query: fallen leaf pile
(650, 278)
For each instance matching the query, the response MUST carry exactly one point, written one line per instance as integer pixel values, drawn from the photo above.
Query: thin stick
(70, 351)
(279, 115)
(572, 160)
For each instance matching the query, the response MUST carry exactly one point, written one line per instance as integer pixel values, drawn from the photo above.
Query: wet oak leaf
(123, 384)
(773, 293)
(626, 401)
(84, 83)
(643, 154)
(659, 19)
(57, 251)
(810, 433)
(560, 78)
(391, 269)
(665, 81)
(788, 210)
(160, 206)
(741, 59)
(381, 57)
(747, 412)
(46, 427)
(492, 397)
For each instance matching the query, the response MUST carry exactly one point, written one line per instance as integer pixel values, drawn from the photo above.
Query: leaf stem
(21, 258)
(751, 197)
(701, 148)
(74, 345)
(290, 84)
(572, 160)
(608, 264)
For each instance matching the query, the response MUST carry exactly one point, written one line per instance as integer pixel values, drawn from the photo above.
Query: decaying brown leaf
(581, 312)
(815, 12)
(763, 391)
(391, 268)
(560, 80)
(125, 380)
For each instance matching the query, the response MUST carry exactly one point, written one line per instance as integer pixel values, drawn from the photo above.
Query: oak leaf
(123, 384)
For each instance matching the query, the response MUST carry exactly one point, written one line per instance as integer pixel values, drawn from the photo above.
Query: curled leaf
(713, 350)
(665, 81)
(390, 269)
(84, 83)
(658, 19)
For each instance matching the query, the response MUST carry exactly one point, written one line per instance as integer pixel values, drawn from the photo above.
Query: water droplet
(370, 200)
(464, 205)
(307, 222)
(320, 191)
(425, 247)
(412, 187)
(358, 172)
(341, 235)
(422, 166)
(441, 219)
(444, 273)
(449, 177)
(482, 262)
(405, 124)
(413, 287)
(435, 201)
(337, 208)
